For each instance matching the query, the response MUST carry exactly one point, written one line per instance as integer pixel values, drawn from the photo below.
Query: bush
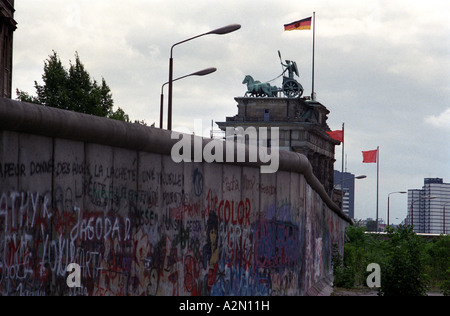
(438, 261)
(445, 284)
(403, 272)
(350, 271)
(343, 275)
(404, 258)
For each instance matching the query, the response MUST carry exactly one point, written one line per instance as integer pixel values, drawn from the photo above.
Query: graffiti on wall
(149, 227)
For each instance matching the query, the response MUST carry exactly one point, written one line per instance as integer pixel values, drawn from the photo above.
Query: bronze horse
(258, 89)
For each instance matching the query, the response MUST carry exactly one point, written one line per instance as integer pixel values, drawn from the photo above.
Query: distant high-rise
(7, 27)
(426, 207)
(348, 188)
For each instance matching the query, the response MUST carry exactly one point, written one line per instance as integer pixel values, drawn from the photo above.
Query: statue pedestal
(302, 128)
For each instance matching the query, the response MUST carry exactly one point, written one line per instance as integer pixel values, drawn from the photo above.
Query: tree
(73, 90)
(120, 116)
(445, 284)
(403, 273)
(371, 226)
(438, 263)
(409, 264)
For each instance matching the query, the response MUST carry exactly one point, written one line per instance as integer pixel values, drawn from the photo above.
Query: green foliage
(445, 284)
(403, 273)
(438, 263)
(409, 264)
(371, 226)
(355, 254)
(349, 270)
(120, 116)
(341, 277)
(73, 90)
(438, 257)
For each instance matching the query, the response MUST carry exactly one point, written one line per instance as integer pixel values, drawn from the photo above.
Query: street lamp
(203, 72)
(341, 183)
(389, 195)
(346, 179)
(412, 206)
(220, 31)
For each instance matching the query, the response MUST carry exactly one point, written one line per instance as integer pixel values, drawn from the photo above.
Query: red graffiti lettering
(235, 212)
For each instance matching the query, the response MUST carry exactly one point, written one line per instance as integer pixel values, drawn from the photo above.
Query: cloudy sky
(382, 67)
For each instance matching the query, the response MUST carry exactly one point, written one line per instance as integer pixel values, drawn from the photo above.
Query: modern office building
(429, 207)
(346, 182)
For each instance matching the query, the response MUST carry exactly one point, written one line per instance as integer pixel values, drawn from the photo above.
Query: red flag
(370, 156)
(337, 135)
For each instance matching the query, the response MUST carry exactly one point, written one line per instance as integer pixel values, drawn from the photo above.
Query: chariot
(291, 88)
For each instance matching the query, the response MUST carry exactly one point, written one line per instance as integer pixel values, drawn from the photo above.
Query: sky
(382, 68)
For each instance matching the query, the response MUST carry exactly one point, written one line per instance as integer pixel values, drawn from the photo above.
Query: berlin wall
(107, 196)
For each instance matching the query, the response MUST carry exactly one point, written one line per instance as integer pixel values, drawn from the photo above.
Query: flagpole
(378, 179)
(314, 53)
(342, 174)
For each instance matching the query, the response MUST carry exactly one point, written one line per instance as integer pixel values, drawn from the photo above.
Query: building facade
(429, 207)
(7, 27)
(346, 182)
(302, 125)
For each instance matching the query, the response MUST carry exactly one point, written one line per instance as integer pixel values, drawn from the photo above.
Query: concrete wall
(107, 195)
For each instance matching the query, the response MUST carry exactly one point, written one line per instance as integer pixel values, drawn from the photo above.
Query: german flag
(304, 24)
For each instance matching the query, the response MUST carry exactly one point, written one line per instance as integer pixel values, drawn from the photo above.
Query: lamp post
(389, 195)
(203, 72)
(412, 206)
(220, 31)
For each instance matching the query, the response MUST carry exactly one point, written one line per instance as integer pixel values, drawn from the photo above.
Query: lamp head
(204, 72)
(226, 29)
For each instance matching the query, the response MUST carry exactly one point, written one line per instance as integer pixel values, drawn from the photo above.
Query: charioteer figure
(291, 68)
(291, 88)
